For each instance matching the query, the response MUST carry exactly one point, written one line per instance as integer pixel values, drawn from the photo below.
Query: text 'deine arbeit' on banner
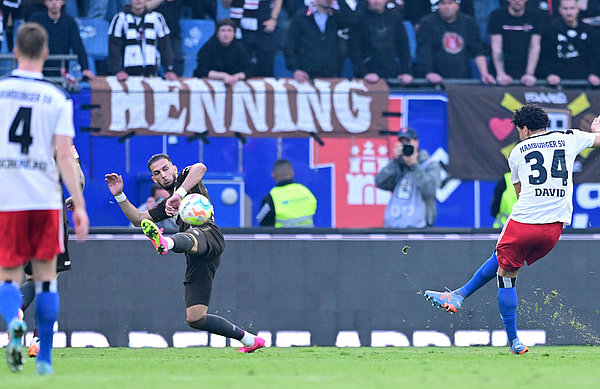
(265, 107)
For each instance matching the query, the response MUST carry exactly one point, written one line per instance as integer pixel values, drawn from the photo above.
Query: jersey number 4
(558, 169)
(20, 129)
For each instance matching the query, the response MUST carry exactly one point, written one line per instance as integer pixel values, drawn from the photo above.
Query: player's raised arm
(68, 171)
(193, 178)
(115, 185)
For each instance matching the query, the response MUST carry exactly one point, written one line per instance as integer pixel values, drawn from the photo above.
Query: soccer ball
(195, 209)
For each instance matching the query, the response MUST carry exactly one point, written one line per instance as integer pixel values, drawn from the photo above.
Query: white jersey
(32, 111)
(543, 164)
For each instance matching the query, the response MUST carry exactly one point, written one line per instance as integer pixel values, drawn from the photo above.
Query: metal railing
(8, 62)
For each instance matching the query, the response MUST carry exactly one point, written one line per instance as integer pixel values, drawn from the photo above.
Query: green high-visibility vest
(295, 205)
(509, 198)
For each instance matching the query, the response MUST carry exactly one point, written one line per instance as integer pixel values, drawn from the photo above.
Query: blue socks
(46, 313)
(482, 276)
(507, 303)
(10, 300)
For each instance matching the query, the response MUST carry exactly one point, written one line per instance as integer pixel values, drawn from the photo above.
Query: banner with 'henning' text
(264, 107)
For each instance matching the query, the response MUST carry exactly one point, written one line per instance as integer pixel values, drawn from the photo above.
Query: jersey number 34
(558, 170)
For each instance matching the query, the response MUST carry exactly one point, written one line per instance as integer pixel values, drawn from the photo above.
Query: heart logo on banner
(501, 128)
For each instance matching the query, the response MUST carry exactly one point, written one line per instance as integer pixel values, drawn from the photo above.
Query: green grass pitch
(315, 367)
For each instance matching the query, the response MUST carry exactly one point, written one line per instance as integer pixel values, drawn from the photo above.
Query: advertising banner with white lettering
(481, 134)
(257, 107)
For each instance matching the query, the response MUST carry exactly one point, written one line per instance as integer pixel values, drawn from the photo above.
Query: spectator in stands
(63, 34)
(157, 195)
(415, 10)
(313, 44)
(548, 8)
(288, 204)
(223, 57)
(134, 37)
(445, 42)
(590, 12)
(351, 9)
(569, 50)
(515, 35)
(171, 10)
(379, 44)
(10, 12)
(413, 178)
(256, 22)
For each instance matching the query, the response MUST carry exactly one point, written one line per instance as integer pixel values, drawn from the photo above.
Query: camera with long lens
(408, 150)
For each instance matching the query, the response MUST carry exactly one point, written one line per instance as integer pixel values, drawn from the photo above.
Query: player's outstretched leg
(507, 303)
(221, 326)
(46, 311)
(155, 235)
(451, 301)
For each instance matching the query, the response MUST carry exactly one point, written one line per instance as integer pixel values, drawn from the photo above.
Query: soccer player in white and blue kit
(36, 124)
(542, 172)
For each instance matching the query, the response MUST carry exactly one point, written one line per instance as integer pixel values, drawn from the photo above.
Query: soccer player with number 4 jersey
(36, 123)
(541, 168)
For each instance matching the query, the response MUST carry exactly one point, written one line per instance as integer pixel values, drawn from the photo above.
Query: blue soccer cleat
(518, 348)
(450, 301)
(15, 358)
(43, 368)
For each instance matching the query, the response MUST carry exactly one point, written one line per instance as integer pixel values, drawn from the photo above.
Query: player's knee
(184, 242)
(196, 322)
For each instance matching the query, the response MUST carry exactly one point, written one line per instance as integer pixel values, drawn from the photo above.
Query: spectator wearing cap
(569, 48)
(379, 44)
(223, 57)
(445, 42)
(413, 178)
(313, 44)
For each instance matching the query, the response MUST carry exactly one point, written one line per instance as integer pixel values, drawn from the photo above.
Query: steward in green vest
(504, 199)
(288, 204)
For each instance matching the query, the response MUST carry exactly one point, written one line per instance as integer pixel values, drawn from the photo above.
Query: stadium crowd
(497, 41)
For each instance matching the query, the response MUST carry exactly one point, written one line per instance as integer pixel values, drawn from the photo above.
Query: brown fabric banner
(257, 107)
(481, 134)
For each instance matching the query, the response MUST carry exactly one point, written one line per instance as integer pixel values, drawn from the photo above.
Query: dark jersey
(159, 213)
(516, 34)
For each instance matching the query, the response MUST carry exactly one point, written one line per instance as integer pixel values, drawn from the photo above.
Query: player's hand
(172, 205)
(596, 124)
(69, 204)
(115, 183)
(82, 223)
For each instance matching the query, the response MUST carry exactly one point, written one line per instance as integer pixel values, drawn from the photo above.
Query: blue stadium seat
(279, 68)
(94, 34)
(412, 39)
(194, 34)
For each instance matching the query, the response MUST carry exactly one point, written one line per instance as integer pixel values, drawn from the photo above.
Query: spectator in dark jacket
(445, 42)
(223, 57)
(569, 49)
(63, 34)
(313, 48)
(379, 44)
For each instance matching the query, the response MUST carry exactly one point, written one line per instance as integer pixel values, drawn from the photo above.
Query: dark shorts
(201, 268)
(63, 261)
(521, 243)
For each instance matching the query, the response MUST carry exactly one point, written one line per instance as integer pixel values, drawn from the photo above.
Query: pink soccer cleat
(258, 343)
(154, 233)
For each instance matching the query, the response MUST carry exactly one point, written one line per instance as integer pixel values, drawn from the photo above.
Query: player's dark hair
(157, 157)
(32, 39)
(532, 116)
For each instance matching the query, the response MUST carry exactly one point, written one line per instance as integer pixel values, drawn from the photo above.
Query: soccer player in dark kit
(202, 244)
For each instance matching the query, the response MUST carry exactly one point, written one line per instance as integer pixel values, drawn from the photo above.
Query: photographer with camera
(413, 178)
